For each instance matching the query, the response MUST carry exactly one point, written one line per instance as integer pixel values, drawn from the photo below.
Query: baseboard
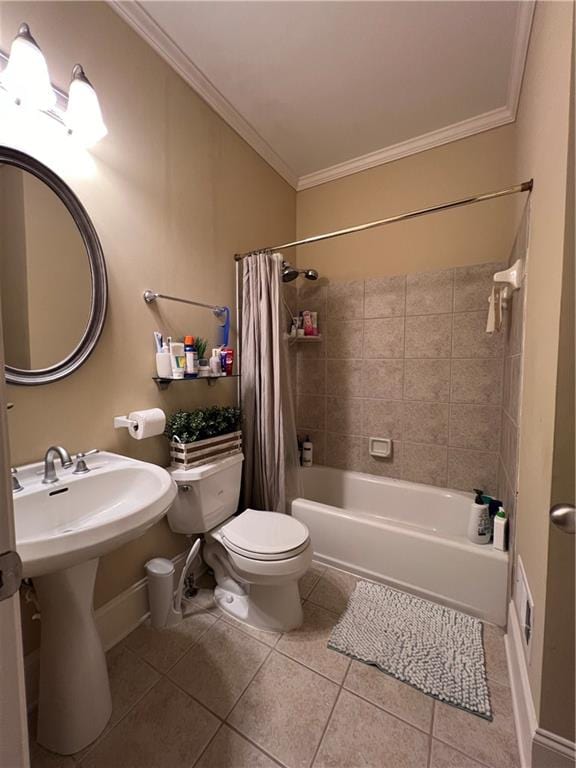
(115, 620)
(552, 751)
(524, 712)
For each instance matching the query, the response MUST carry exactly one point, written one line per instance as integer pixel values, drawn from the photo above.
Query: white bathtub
(404, 534)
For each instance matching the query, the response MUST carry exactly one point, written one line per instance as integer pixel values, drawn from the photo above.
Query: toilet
(257, 557)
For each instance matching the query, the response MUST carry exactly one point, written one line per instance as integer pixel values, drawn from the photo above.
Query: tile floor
(212, 693)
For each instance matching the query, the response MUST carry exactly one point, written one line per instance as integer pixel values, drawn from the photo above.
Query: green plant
(201, 345)
(202, 423)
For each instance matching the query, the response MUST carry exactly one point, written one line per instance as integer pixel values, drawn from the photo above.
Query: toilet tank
(207, 495)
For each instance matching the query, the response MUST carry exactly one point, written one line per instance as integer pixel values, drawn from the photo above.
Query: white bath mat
(436, 649)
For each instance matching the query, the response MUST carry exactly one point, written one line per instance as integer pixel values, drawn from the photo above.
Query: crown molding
(142, 23)
(138, 18)
(462, 130)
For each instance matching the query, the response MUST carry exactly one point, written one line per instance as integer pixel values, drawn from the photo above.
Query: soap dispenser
(479, 521)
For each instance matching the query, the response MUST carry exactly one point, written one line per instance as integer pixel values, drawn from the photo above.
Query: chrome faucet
(50, 475)
(16, 484)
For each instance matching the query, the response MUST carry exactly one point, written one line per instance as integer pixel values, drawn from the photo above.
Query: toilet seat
(260, 535)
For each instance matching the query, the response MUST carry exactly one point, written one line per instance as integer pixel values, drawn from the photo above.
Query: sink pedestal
(74, 702)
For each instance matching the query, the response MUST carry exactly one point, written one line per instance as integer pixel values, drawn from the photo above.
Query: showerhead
(289, 273)
(310, 274)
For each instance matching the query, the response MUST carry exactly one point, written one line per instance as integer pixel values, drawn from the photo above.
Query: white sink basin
(61, 531)
(84, 516)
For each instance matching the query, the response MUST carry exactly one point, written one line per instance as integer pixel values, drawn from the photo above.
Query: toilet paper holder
(124, 421)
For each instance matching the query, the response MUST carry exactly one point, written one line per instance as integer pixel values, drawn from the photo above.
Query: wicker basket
(186, 455)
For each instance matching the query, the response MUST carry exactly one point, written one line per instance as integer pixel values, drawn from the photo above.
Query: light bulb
(83, 116)
(26, 77)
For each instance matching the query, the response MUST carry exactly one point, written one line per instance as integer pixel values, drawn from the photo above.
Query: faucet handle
(81, 467)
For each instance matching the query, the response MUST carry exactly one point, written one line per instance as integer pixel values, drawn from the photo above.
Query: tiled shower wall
(406, 357)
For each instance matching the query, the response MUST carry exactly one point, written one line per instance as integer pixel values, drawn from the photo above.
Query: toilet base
(274, 608)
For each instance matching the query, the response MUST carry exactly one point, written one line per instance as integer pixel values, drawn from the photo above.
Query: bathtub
(408, 535)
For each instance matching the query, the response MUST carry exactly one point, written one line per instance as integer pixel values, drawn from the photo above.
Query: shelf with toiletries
(187, 359)
(163, 383)
(305, 339)
(304, 327)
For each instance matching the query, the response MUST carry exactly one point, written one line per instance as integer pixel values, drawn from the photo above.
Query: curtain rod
(526, 186)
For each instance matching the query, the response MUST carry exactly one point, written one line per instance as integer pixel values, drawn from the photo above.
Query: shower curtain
(270, 442)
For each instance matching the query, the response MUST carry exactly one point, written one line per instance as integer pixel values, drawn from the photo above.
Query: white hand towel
(494, 322)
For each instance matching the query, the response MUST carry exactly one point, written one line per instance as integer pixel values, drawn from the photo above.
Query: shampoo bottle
(501, 530)
(215, 363)
(307, 451)
(191, 357)
(479, 520)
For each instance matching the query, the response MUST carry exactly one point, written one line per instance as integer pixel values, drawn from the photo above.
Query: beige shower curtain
(270, 442)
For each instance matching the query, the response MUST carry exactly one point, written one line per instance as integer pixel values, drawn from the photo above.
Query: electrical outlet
(524, 605)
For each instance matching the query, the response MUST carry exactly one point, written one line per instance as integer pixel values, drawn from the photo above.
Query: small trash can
(160, 574)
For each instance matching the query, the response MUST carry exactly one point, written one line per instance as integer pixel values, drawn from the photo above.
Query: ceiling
(325, 89)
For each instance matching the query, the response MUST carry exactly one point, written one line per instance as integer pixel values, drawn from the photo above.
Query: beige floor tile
(217, 668)
(42, 758)
(443, 756)
(130, 679)
(495, 652)
(310, 579)
(166, 729)
(333, 590)
(361, 735)
(230, 750)
(163, 647)
(493, 743)
(396, 697)
(268, 638)
(309, 643)
(285, 710)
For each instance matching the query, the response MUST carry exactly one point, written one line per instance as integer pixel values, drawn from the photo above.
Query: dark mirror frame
(99, 291)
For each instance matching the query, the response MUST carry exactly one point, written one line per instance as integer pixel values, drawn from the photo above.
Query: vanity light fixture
(26, 80)
(83, 116)
(26, 77)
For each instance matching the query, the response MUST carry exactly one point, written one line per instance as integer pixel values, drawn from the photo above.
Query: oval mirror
(52, 273)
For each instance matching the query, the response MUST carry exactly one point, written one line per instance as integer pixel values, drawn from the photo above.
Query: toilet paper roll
(148, 423)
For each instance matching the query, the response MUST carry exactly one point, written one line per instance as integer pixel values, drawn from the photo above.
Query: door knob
(564, 517)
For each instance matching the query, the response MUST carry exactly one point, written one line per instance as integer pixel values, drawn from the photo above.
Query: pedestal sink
(61, 531)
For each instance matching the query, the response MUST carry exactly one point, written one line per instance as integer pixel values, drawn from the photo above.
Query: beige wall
(174, 192)
(472, 235)
(59, 282)
(13, 267)
(541, 152)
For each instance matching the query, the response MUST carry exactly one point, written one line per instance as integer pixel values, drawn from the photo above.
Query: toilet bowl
(257, 556)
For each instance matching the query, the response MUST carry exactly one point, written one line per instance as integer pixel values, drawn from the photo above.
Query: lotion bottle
(479, 520)
(501, 530)
(307, 453)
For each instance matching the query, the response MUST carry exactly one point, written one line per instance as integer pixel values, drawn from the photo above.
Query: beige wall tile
(382, 378)
(346, 300)
(427, 380)
(509, 448)
(475, 426)
(424, 463)
(472, 469)
(343, 338)
(382, 418)
(344, 377)
(472, 286)
(384, 337)
(426, 423)
(344, 415)
(385, 296)
(477, 381)
(311, 377)
(511, 389)
(311, 412)
(344, 451)
(384, 467)
(514, 322)
(305, 349)
(313, 297)
(470, 338)
(429, 336)
(429, 293)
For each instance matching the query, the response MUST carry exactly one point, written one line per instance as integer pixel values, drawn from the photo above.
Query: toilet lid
(255, 532)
